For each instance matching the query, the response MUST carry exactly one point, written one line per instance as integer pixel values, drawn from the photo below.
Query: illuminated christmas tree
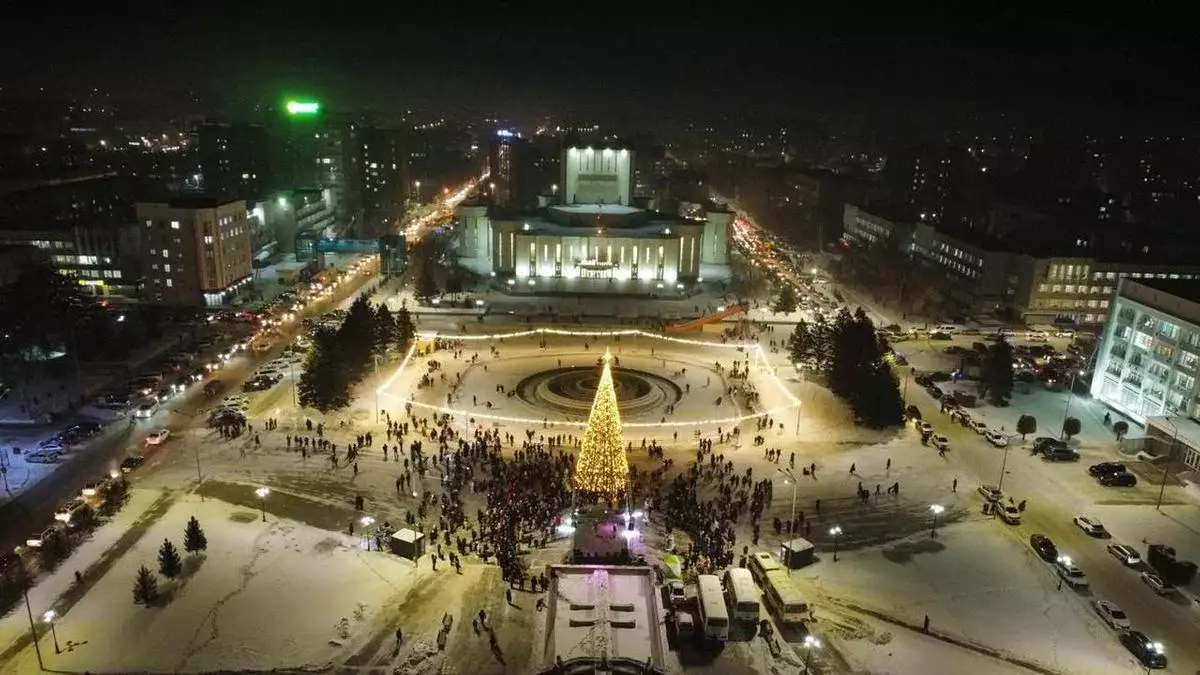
(602, 467)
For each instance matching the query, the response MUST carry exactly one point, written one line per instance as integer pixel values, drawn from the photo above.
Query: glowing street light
(1064, 562)
(262, 493)
(49, 618)
(810, 643)
(835, 532)
(366, 522)
(937, 512)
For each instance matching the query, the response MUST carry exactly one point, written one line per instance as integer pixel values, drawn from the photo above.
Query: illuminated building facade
(594, 238)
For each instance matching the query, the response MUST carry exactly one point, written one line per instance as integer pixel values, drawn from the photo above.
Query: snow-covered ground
(975, 586)
(264, 596)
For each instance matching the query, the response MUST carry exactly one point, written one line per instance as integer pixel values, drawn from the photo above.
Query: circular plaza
(548, 376)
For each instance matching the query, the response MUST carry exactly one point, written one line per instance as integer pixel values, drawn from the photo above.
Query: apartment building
(196, 250)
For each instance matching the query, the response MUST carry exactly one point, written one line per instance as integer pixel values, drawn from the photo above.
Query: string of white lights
(759, 353)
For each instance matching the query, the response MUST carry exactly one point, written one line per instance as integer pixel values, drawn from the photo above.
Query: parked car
(146, 410)
(1124, 479)
(36, 541)
(996, 438)
(1160, 585)
(1044, 547)
(1060, 453)
(158, 437)
(1091, 526)
(977, 426)
(43, 457)
(1043, 443)
(1111, 615)
(1148, 652)
(940, 442)
(1126, 554)
(1106, 468)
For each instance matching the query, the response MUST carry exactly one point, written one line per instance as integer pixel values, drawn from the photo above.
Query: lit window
(166, 253)
(174, 224)
(167, 268)
(170, 283)
(207, 240)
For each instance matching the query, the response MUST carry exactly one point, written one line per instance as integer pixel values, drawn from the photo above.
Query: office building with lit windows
(594, 239)
(196, 251)
(1148, 361)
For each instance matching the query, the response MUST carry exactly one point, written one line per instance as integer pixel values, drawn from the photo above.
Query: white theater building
(594, 239)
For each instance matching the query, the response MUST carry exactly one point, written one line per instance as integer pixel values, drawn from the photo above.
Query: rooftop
(596, 209)
(196, 201)
(603, 612)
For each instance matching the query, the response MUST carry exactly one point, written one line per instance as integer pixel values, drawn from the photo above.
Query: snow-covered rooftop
(597, 209)
(598, 611)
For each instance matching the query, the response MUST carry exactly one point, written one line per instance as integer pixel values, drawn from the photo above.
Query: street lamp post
(1070, 395)
(1003, 466)
(937, 512)
(376, 360)
(835, 532)
(49, 618)
(292, 373)
(1162, 488)
(262, 493)
(789, 477)
(37, 648)
(810, 643)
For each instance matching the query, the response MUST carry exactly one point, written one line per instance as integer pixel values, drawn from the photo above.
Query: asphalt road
(33, 510)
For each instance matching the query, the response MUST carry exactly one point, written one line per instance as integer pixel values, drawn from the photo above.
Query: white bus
(741, 594)
(760, 564)
(784, 599)
(714, 617)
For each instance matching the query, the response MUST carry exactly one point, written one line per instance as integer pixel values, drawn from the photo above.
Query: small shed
(407, 543)
(796, 553)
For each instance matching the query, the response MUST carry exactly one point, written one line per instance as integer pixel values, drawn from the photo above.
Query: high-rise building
(233, 159)
(315, 149)
(196, 251)
(384, 189)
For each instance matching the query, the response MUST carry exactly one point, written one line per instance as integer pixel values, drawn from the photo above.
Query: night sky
(645, 64)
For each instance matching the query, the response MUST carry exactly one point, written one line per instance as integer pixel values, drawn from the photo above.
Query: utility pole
(33, 627)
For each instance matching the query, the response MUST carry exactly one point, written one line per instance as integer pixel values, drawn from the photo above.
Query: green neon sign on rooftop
(303, 107)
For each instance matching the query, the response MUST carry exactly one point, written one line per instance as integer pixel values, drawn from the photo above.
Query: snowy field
(264, 595)
(975, 586)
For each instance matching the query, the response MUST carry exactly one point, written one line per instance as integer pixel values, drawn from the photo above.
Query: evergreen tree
(1120, 428)
(802, 345)
(325, 383)
(878, 403)
(822, 334)
(1071, 427)
(854, 354)
(998, 372)
(405, 329)
(385, 328)
(169, 563)
(1026, 424)
(356, 338)
(427, 287)
(786, 302)
(145, 587)
(194, 540)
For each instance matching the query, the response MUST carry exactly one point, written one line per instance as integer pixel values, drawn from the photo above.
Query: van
(948, 328)
(685, 623)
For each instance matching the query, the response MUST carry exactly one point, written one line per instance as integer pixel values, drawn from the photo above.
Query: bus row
(736, 598)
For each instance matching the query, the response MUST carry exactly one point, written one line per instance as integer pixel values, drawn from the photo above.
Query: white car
(1009, 513)
(43, 457)
(1111, 615)
(996, 438)
(1072, 575)
(991, 493)
(1126, 554)
(1090, 525)
(1156, 582)
(235, 401)
(158, 437)
(940, 442)
(978, 426)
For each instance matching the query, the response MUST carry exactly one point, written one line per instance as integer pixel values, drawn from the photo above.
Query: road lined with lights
(442, 209)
